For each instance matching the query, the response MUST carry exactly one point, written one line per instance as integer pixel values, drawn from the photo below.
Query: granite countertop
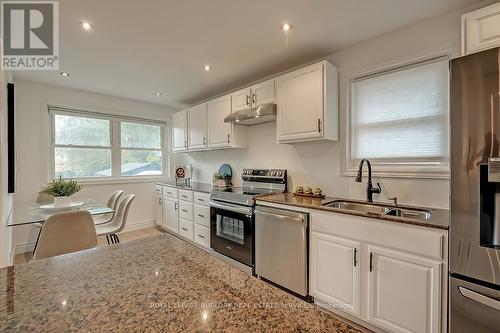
(197, 187)
(438, 220)
(158, 284)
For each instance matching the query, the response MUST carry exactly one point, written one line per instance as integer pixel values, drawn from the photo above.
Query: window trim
(416, 170)
(115, 145)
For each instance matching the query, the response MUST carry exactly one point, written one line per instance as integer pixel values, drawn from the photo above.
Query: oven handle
(232, 208)
(485, 300)
(299, 219)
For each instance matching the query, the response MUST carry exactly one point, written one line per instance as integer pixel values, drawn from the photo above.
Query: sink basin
(376, 209)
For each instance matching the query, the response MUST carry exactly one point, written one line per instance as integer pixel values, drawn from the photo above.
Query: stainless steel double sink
(381, 210)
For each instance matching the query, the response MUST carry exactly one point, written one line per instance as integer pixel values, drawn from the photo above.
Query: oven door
(231, 231)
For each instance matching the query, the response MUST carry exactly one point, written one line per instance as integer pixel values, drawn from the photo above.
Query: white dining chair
(112, 203)
(118, 223)
(66, 232)
(42, 199)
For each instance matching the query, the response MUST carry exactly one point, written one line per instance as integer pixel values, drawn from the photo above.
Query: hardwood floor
(101, 241)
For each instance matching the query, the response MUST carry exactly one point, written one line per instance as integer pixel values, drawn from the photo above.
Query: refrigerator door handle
(480, 298)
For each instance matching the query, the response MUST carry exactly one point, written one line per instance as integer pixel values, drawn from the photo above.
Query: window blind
(401, 116)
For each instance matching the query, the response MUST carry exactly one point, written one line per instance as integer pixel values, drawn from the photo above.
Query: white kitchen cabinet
(202, 235)
(186, 229)
(170, 214)
(404, 291)
(219, 132)
(241, 99)
(180, 131)
(158, 209)
(481, 29)
(186, 210)
(307, 101)
(263, 93)
(335, 263)
(197, 125)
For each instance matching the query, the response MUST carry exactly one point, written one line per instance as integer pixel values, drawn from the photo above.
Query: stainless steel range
(232, 213)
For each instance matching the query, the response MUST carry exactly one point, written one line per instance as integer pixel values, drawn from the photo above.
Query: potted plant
(62, 189)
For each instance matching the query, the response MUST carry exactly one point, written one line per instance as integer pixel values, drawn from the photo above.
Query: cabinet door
(179, 131)
(335, 271)
(263, 93)
(240, 100)
(404, 292)
(158, 209)
(219, 132)
(170, 215)
(197, 121)
(300, 104)
(481, 29)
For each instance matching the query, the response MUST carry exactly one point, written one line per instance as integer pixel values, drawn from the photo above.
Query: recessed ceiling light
(86, 25)
(207, 68)
(286, 27)
(158, 94)
(65, 74)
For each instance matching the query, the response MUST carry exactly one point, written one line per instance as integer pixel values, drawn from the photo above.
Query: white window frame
(389, 169)
(115, 147)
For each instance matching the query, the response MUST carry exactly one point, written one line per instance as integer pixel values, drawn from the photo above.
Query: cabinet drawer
(186, 229)
(201, 198)
(186, 210)
(170, 192)
(202, 235)
(186, 195)
(202, 215)
(158, 189)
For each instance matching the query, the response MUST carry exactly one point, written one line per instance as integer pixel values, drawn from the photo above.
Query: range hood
(264, 113)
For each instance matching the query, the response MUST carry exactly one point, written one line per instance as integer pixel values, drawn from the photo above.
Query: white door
(404, 291)
(335, 271)
(158, 210)
(170, 215)
(197, 120)
(240, 100)
(179, 131)
(300, 104)
(263, 93)
(219, 132)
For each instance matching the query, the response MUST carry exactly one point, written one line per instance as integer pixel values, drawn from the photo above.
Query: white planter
(61, 202)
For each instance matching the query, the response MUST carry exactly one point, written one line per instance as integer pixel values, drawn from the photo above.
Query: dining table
(31, 213)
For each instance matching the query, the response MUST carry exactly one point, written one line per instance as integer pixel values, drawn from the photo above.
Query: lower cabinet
(170, 212)
(391, 276)
(186, 229)
(202, 235)
(403, 291)
(158, 210)
(335, 264)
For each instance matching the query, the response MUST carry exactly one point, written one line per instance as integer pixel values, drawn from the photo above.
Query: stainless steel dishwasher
(281, 239)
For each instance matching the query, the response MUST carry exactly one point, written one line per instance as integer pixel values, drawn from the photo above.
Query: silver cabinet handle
(184, 210)
(480, 298)
(248, 100)
(202, 200)
(229, 138)
(201, 215)
(204, 141)
(281, 217)
(371, 261)
(355, 257)
(254, 99)
(184, 229)
(184, 196)
(175, 206)
(201, 236)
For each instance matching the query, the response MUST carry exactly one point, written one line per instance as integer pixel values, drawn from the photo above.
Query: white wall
(5, 198)
(319, 163)
(32, 126)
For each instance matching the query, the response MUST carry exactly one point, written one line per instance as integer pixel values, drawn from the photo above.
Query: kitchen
(353, 260)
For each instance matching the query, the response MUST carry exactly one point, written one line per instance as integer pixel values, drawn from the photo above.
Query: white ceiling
(141, 47)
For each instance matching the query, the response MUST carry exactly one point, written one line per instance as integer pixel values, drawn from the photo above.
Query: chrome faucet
(370, 190)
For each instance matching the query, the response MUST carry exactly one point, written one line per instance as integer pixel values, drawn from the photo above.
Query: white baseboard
(29, 246)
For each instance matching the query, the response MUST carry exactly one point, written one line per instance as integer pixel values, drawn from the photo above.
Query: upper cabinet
(481, 29)
(219, 132)
(197, 125)
(179, 131)
(307, 102)
(256, 95)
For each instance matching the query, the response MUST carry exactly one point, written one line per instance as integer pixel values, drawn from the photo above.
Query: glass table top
(25, 214)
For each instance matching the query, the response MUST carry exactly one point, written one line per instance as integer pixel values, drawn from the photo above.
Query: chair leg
(117, 239)
(37, 238)
(107, 238)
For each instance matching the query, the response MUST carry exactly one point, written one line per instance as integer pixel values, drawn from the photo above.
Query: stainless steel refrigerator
(474, 279)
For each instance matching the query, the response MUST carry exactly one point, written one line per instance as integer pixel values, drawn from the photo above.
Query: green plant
(62, 188)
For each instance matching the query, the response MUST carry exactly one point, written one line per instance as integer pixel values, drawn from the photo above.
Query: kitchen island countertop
(158, 284)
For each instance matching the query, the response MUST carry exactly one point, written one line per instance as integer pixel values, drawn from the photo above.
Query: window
(91, 145)
(399, 120)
